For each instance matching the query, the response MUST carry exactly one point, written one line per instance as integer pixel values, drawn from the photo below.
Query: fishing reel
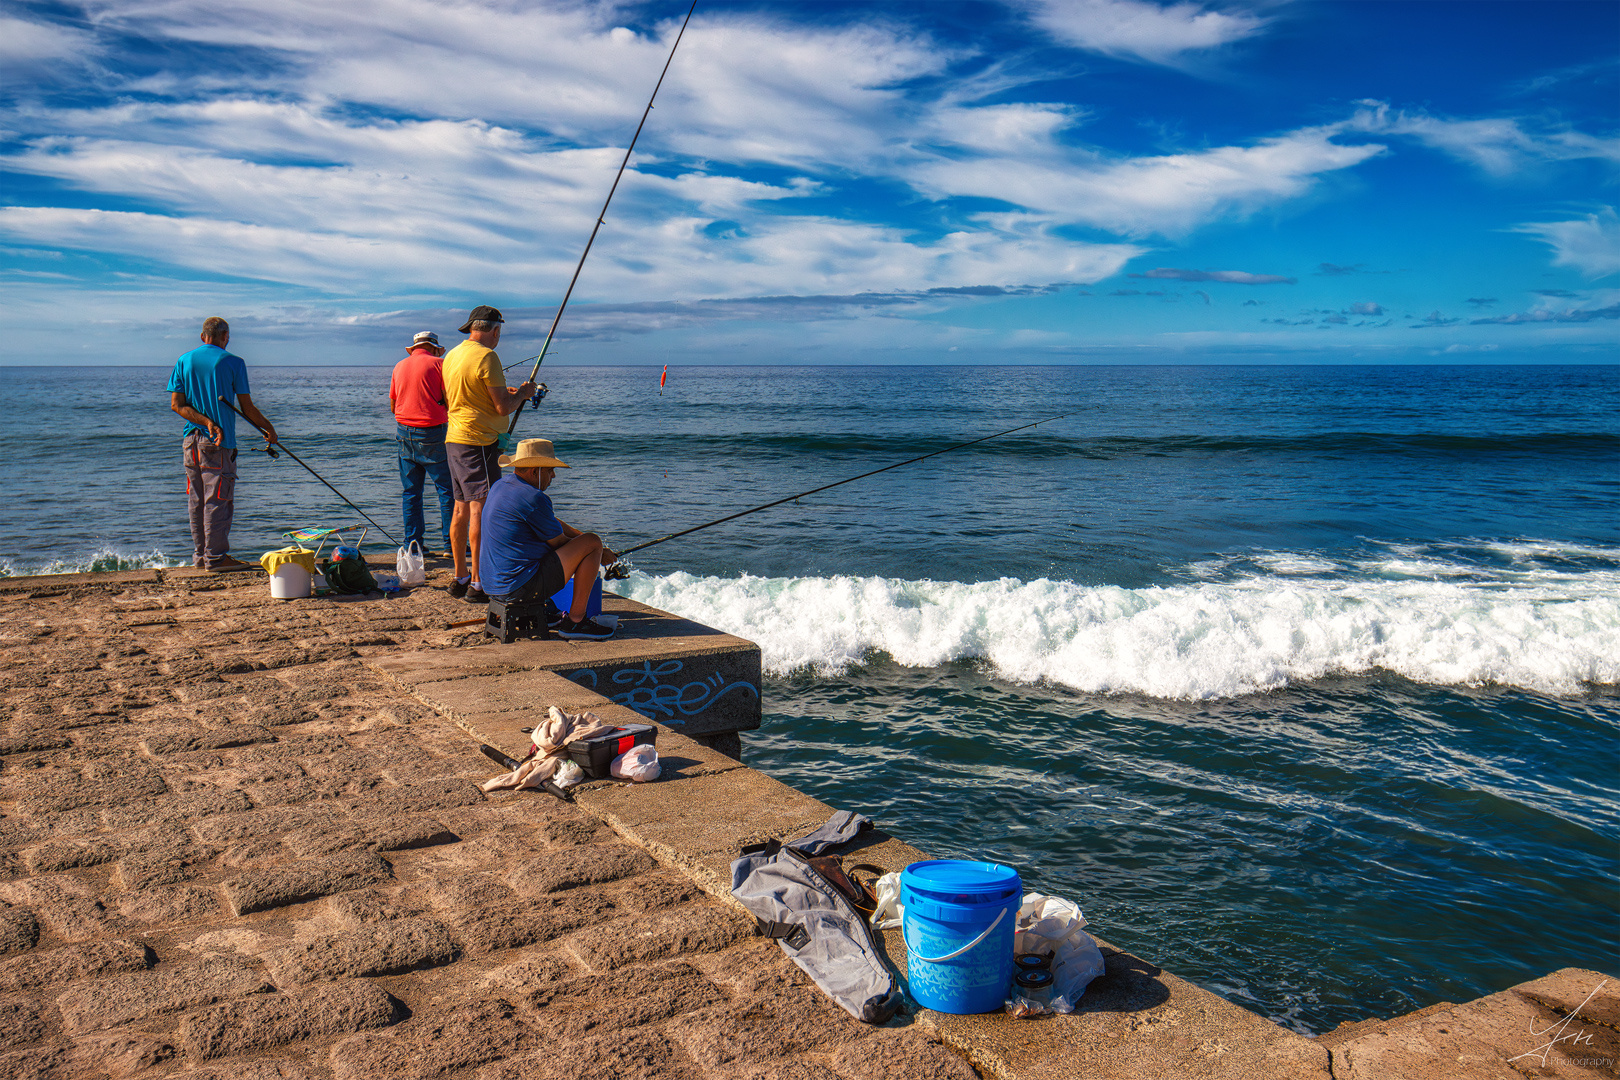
(618, 571)
(539, 396)
(266, 450)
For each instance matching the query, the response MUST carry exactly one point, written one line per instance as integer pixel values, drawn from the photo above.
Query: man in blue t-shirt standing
(526, 554)
(208, 443)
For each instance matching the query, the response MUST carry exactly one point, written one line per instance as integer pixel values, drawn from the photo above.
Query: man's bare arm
(506, 398)
(609, 556)
(179, 404)
(251, 411)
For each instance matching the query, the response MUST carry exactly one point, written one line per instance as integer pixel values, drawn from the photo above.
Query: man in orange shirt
(416, 396)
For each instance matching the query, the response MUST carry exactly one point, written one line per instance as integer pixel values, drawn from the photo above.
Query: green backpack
(349, 576)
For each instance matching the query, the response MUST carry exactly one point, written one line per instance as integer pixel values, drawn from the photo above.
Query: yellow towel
(304, 557)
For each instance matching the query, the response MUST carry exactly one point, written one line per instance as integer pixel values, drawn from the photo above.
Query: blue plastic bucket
(593, 603)
(959, 933)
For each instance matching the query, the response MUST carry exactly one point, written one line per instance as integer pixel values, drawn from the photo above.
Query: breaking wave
(104, 560)
(1537, 619)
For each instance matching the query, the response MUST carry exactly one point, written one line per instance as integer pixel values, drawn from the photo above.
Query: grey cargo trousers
(211, 497)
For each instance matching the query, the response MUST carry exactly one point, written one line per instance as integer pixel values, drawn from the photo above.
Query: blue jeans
(421, 455)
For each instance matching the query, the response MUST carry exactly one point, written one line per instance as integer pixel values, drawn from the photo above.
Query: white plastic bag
(890, 912)
(567, 775)
(639, 763)
(410, 566)
(1054, 927)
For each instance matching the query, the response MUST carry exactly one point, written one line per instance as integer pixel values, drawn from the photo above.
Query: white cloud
(28, 49)
(1590, 244)
(1170, 194)
(1498, 145)
(404, 147)
(1157, 33)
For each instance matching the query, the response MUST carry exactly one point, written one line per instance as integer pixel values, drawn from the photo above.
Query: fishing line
(312, 472)
(538, 360)
(840, 483)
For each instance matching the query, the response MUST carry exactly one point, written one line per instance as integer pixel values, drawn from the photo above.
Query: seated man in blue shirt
(526, 553)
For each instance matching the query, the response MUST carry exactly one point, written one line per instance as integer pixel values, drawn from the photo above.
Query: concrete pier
(242, 838)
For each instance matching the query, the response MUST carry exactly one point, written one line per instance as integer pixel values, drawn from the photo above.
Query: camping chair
(303, 536)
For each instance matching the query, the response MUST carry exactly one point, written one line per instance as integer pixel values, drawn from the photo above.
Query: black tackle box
(595, 755)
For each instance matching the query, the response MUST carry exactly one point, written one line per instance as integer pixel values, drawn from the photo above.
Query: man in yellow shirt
(477, 397)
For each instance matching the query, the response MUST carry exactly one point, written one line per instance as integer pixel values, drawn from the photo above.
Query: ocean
(1304, 682)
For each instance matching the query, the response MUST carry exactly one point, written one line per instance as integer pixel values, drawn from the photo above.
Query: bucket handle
(963, 949)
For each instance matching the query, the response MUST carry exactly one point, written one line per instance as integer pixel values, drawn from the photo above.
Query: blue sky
(1029, 181)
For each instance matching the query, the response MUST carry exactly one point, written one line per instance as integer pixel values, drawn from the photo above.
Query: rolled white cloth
(550, 748)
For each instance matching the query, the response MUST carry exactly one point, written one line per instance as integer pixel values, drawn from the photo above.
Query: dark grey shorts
(472, 470)
(547, 581)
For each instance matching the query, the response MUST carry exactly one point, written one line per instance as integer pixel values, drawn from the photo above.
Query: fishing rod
(277, 442)
(840, 483)
(601, 217)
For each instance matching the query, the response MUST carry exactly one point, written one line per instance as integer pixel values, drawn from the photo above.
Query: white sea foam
(1551, 631)
(102, 560)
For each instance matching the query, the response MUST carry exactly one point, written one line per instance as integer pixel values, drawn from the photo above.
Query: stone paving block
(21, 1023)
(178, 742)
(493, 928)
(676, 932)
(356, 909)
(183, 807)
(444, 793)
(37, 743)
(532, 970)
(1135, 1022)
(1588, 995)
(40, 1063)
(295, 749)
(656, 891)
(647, 1054)
(267, 1021)
(121, 999)
(69, 854)
(1555, 1026)
(379, 835)
(379, 949)
(455, 892)
(887, 1054)
(698, 824)
(70, 963)
(761, 1027)
(590, 1005)
(119, 1054)
(462, 1036)
(229, 828)
(570, 868)
(64, 906)
(573, 831)
(416, 668)
(261, 890)
(19, 929)
(163, 866)
(97, 786)
(411, 835)
(258, 1069)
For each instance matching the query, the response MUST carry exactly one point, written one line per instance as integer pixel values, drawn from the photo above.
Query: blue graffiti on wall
(650, 695)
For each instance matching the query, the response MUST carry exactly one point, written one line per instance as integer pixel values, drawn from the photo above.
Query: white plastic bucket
(289, 581)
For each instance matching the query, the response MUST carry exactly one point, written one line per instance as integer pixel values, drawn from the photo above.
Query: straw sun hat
(533, 454)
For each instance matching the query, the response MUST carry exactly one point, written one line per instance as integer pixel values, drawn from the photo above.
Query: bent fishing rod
(601, 217)
(277, 442)
(840, 483)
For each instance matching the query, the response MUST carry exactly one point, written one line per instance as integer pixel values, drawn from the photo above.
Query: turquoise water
(1302, 682)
